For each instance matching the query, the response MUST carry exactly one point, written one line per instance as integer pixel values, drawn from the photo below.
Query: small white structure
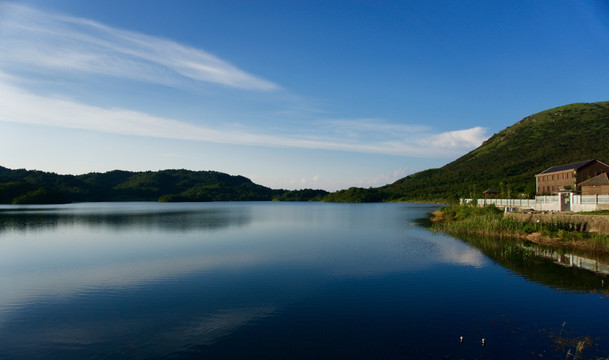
(504, 203)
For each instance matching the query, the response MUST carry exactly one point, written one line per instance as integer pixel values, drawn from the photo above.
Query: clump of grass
(468, 219)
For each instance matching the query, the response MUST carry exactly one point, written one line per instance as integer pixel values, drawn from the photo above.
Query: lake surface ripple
(282, 281)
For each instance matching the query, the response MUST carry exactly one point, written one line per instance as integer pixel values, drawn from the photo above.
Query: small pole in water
(483, 341)
(460, 338)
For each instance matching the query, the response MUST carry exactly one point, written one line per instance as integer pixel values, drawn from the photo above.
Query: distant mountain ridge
(38, 187)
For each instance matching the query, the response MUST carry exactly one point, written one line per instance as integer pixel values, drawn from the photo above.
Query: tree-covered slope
(509, 160)
(29, 187)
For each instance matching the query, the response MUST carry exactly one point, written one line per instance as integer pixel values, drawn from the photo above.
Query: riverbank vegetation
(462, 220)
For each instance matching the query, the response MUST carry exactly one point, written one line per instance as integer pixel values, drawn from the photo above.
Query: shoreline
(561, 234)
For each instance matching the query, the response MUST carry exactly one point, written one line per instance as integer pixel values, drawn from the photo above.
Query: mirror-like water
(281, 281)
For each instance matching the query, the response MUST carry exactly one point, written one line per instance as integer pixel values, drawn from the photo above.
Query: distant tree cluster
(37, 187)
(357, 195)
(302, 195)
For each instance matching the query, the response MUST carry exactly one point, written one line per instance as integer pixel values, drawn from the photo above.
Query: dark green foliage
(302, 195)
(40, 196)
(510, 159)
(356, 195)
(23, 186)
(14, 189)
(21, 192)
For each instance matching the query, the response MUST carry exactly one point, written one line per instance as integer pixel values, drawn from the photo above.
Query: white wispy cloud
(378, 136)
(38, 40)
(367, 128)
(21, 106)
(468, 138)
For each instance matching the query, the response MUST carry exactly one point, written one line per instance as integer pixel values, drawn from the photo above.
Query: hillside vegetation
(509, 160)
(37, 187)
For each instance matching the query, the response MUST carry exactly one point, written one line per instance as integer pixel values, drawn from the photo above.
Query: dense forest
(37, 187)
(508, 161)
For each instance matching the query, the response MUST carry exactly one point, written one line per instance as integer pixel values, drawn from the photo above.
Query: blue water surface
(280, 281)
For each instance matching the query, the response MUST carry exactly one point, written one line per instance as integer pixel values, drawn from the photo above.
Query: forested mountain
(37, 187)
(509, 160)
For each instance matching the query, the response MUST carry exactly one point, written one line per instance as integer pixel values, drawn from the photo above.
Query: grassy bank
(489, 221)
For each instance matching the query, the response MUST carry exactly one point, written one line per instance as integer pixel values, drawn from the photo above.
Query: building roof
(601, 179)
(572, 166)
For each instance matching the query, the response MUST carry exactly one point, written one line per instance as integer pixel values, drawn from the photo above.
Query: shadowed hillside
(37, 187)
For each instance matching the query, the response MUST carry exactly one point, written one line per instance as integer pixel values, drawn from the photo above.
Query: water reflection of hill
(164, 220)
(546, 265)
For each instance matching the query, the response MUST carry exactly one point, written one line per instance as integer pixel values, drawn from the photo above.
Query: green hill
(37, 187)
(509, 160)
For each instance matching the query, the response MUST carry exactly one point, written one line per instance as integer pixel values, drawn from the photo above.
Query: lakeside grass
(490, 221)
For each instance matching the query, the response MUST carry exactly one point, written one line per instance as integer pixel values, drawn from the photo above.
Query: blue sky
(292, 94)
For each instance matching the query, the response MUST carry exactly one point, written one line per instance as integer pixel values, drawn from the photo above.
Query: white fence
(592, 199)
(519, 203)
(589, 202)
(562, 202)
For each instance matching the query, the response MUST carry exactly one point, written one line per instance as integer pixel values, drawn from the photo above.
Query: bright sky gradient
(292, 94)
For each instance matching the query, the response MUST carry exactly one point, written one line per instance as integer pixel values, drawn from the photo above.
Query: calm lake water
(281, 281)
